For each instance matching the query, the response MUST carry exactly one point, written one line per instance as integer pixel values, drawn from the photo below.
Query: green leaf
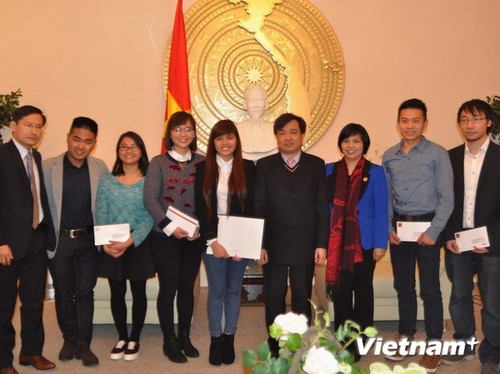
(275, 331)
(279, 366)
(263, 351)
(371, 332)
(294, 342)
(249, 357)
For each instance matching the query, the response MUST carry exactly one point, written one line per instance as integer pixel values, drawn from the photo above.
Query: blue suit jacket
(372, 205)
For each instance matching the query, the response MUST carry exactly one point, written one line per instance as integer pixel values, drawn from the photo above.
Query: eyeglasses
(473, 120)
(180, 129)
(125, 148)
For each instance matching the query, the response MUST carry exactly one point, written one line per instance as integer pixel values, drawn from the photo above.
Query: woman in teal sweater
(120, 200)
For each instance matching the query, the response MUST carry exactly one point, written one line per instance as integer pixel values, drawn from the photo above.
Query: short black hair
(143, 161)
(352, 129)
(177, 119)
(84, 123)
(283, 119)
(413, 104)
(26, 110)
(476, 107)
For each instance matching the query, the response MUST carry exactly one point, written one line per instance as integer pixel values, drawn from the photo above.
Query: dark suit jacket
(16, 202)
(295, 208)
(487, 207)
(208, 225)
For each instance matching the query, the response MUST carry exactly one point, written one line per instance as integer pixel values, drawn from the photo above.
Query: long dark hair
(143, 161)
(237, 180)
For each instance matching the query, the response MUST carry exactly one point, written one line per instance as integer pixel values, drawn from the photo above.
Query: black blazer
(294, 206)
(16, 202)
(208, 225)
(487, 207)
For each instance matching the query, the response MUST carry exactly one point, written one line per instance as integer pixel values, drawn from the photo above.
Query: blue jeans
(489, 286)
(460, 269)
(74, 269)
(404, 257)
(225, 277)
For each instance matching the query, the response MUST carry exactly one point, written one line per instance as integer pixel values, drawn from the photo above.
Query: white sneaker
(132, 351)
(118, 350)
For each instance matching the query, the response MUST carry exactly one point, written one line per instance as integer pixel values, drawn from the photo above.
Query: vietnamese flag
(178, 81)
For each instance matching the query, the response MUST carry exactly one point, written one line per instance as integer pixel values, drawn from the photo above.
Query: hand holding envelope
(411, 231)
(105, 234)
(474, 238)
(184, 221)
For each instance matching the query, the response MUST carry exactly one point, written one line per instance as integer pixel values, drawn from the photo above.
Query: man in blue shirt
(420, 186)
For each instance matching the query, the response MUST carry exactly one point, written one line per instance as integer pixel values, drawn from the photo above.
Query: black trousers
(276, 286)
(177, 263)
(31, 272)
(354, 300)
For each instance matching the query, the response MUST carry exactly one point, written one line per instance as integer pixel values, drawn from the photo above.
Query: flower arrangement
(315, 349)
(303, 349)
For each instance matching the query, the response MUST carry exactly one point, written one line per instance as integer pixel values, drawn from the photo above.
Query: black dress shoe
(185, 345)
(228, 354)
(38, 362)
(85, 354)
(173, 353)
(67, 351)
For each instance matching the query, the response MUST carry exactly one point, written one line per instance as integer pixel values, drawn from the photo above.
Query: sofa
(102, 309)
(385, 297)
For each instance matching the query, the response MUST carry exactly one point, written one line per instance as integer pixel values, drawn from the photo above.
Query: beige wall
(103, 59)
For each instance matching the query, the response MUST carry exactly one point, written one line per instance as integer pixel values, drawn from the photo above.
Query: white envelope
(182, 220)
(410, 231)
(103, 234)
(241, 236)
(468, 239)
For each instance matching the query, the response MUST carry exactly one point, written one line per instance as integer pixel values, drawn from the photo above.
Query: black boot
(173, 353)
(184, 344)
(215, 354)
(227, 349)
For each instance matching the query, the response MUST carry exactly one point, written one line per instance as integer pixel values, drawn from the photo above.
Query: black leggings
(119, 308)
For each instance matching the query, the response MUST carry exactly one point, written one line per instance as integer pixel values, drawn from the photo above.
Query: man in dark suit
(290, 194)
(25, 235)
(476, 168)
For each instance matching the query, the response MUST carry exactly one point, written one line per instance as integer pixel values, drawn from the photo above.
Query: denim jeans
(404, 257)
(460, 269)
(74, 270)
(225, 277)
(489, 286)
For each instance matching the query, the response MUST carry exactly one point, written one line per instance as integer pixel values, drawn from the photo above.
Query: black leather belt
(411, 218)
(76, 233)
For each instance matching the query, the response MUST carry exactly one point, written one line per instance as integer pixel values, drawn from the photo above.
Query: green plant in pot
(8, 104)
(494, 101)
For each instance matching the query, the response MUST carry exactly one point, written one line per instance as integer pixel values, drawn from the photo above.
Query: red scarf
(344, 246)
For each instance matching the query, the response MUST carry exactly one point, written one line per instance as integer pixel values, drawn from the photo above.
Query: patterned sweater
(120, 203)
(169, 183)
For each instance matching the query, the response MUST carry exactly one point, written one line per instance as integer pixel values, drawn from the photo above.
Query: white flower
(292, 323)
(320, 361)
(380, 368)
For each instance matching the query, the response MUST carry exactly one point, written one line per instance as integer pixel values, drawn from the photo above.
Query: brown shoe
(38, 362)
(430, 363)
(398, 356)
(8, 370)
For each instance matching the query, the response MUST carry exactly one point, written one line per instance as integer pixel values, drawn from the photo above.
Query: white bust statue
(257, 136)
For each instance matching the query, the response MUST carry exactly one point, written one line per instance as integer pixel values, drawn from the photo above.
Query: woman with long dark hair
(223, 186)
(120, 200)
(176, 256)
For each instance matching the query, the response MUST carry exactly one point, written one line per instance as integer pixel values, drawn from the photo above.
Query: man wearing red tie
(26, 233)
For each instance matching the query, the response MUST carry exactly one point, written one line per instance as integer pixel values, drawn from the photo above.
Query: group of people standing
(342, 214)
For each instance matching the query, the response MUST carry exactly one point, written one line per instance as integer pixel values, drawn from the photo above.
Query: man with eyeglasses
(71, 179)
(25, 235)
(476, 167)
(420, 186)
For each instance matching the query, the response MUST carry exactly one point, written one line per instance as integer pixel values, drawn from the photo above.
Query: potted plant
(494, 101)
(8, 103)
